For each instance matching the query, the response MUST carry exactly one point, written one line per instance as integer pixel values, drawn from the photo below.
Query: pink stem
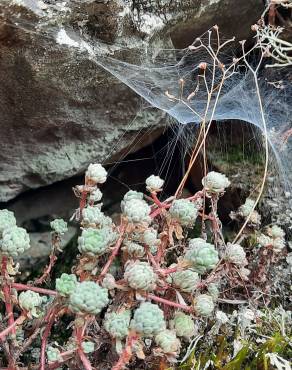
(113, 255)
(169, 303)
(83, 358)
(50, 317)
(7, 295)
(12, 327)
(19, 286)
(156, 200)
(127, 353)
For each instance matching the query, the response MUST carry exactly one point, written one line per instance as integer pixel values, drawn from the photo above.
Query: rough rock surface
(58, 110)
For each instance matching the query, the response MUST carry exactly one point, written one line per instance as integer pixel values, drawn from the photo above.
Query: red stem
(156, 200)
(12, 327)
(170, 303)
(127, 353)
(113, 255)
(19, 286)
(50, 317)
(7, 294)
(79, 335)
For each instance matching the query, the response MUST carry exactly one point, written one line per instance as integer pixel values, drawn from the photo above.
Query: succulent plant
(87, 346)
(59, 226)
(7, 220)
(204, 305)
(167, 341)
(275, 232)
(278, 244)
(185, 280)
(88, 298)
(30, 301)
(235, 254)
(184, 211)
(53, 354)
(213, 290)
(245, 209)
(202, 256)
(109, 282)
(215, 182)
(132, 194)
(140, 275)
(154, 183)
(134, 250)
(150, 237)
(148, 320)
(95, 242)
(95, 195)
(66, 284)
(136, 210)
(117, 323)
(183, 325)
(94, 216)
(96, 173)
(15, 240)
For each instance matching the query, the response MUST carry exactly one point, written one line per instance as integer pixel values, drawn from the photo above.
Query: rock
(58, 110)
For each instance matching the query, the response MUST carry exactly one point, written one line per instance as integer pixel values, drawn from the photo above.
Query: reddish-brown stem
(7, 294)
(168, 271)
(12, 327)
(115, 251)
(127, 353)
(156, 200)
(79, 335)
(19, 286)
(169, 303)
(83, 201)
(52, 261)
(50, 317)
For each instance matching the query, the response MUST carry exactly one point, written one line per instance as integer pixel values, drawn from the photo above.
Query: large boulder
(58, 110)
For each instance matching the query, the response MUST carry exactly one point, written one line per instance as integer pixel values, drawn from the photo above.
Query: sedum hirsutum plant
(146, 287)
(15, 240)
(184, 211)
(183, 325)
(66, 284)
(140, 275)
(200, 255)
(148, 320)
(88, 298)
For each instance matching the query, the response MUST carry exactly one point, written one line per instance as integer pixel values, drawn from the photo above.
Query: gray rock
(58, 110)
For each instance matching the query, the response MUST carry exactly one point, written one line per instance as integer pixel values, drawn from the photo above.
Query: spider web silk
(159, 76)
(159, 71)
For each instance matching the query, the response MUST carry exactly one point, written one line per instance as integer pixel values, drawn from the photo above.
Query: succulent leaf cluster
(235, 254)
(7, 220)
(168, 341)
(183, 325)
(15, 240)
(96, 173)
(185, 280)
(96, 242)
(59, 226)
(30, 301)
(66, 284)
(204, 305)
(215, 182)
(148, 320)
(154, 183)
(140, 275)
(201, 256)
(117, 323)
(88, 298)
(184, 211)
